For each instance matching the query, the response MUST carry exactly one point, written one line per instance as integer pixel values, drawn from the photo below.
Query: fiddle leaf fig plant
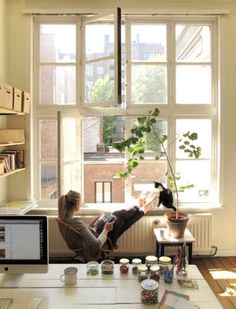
(137, 144)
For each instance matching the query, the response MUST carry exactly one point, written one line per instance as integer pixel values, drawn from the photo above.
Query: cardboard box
(6, 96)
(25, 102)
(17, 100)
(12, 136)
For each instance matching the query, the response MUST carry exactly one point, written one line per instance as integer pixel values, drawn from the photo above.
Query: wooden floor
(220, 273)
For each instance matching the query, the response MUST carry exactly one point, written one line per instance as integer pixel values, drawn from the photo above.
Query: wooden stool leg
(190, 248)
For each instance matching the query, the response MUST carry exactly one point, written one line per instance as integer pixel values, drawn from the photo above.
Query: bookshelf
(13, 180)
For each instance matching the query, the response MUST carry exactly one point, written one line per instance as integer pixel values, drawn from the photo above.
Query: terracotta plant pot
(176, 226)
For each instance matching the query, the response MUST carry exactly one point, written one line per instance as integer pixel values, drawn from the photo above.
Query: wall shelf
(11, 144)
(18, 170)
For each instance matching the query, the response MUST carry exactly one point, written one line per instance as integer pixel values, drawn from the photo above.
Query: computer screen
(23, 244)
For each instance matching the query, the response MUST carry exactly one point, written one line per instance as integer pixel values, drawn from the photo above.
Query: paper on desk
(185, 304)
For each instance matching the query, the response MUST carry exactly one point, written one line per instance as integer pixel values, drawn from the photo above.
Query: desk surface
(116, 291)
(16, 207)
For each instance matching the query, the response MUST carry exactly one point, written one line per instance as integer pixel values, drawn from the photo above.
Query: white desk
(117, 291)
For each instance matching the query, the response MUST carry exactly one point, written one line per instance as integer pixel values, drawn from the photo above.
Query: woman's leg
(126, 218)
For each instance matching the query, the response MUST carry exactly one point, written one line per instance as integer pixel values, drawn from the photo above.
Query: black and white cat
(166, 196)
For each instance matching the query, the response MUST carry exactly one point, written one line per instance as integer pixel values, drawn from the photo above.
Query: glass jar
(135, 263)
(164, 262)
(168, 274)
(155, 272)
(151, 260)
(149, 293)
(107, 267)
(92, 268)
(124, 266)
(142, 272)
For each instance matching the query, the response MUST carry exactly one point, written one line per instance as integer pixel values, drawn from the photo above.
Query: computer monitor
(23, 244)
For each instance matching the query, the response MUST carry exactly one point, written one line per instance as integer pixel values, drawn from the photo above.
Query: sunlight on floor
(228, 292)
(222, 274)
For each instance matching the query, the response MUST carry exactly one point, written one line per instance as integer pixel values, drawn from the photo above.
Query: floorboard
(220, 273)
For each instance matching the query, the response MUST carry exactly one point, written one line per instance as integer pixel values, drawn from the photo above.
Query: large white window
(166, 62)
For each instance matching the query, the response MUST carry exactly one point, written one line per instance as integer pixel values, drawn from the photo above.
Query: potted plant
(136, 145)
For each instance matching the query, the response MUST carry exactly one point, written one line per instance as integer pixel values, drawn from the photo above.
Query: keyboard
(5, 303)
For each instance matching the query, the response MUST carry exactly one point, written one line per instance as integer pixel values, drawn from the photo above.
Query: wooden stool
(164, 240)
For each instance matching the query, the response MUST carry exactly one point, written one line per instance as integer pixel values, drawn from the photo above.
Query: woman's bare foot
(151, 204)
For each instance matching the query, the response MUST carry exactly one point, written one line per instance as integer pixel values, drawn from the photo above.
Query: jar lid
(155, 268)
(124, 261)
(151, 258)
(142, 268)
(107, 262)
(136, 261)
(92, 264)
(164, 259)
(149, 284)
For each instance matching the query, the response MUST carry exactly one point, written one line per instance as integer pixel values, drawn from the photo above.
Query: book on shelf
(6, 162)
(15, 158)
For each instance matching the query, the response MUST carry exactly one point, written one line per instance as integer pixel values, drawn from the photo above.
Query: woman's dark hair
(67, 203)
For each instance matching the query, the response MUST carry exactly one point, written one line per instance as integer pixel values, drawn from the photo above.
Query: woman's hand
(109, 226)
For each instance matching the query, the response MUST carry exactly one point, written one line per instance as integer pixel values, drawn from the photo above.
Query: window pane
(151, 139)
(99, 82)
(48, 171)
(193, 84)
(145, 175)
(148, 42)
(99, 134)
(107, 192)
(57, 85)
(200, 126)
(193, 43)
(99, 171)
(197, 173)
(149, 84)
(48, 158)
(71, 138)
(71, 177)
(99, 40)
(48, 139)
(99, 193)
(57, 43)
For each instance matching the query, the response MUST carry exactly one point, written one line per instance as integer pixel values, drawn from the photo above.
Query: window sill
(50, 208)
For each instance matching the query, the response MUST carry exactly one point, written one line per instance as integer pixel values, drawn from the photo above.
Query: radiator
(139, 239)
(200, 225)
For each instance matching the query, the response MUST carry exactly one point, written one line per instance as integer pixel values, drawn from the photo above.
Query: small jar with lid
(107, 267)
(135, 263)
(142, 272)
(149, 292)
(124, 266)
(151, 260)
(155, 272)
(92, 268)
(164, 263)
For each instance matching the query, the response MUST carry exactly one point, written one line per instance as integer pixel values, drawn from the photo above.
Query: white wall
(224, 220)
(3, 72)
(3, 34)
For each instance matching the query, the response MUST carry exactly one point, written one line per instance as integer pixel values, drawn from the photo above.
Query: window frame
(171, 111)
